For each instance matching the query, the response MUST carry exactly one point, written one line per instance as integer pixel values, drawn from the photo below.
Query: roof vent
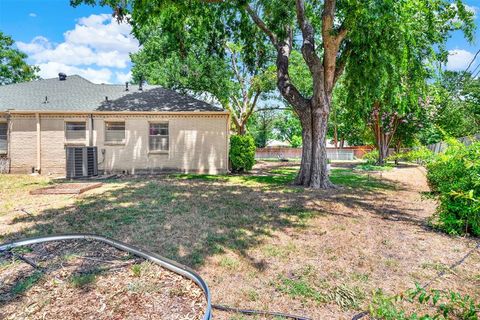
(62, 76)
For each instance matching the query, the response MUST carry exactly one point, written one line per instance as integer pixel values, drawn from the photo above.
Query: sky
(86, 41)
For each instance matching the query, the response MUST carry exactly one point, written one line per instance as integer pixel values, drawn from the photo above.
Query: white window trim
(169, 140)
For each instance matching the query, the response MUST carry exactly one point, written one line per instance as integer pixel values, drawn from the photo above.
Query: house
(135, 129)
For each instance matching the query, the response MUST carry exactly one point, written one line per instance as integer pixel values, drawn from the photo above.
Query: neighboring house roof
(78, 94)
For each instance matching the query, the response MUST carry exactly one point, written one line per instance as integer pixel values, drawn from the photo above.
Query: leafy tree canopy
(13, 67)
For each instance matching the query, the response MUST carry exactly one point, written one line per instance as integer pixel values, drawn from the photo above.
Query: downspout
(9, 130)
(90, 130)
(228, 142)
(39, 141)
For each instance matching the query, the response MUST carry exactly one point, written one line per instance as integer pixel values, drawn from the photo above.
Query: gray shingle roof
(79, 94)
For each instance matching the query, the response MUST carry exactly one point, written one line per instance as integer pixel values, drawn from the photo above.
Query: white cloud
(52, 69)
(96, 43)
(32, 14)
(458, 59)
(123, 76)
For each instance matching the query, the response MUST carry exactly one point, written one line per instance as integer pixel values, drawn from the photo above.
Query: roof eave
(226, 112)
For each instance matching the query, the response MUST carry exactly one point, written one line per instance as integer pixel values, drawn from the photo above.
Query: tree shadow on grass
(188, 218)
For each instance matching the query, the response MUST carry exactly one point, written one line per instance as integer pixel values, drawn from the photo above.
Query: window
(114, 132)
(75, 130)
(3, 138)
(158, 137)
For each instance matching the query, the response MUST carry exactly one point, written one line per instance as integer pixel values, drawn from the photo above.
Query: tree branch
(284, 83)
(308, 46)
(342, 62)
(261, 24)
(235, 119)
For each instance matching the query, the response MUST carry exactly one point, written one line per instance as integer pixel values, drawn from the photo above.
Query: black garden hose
(258, 312)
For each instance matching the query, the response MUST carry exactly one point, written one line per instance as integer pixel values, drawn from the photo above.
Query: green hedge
(242, 153)
(455, 177)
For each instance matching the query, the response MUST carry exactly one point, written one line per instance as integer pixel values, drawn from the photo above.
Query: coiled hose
(155, 258)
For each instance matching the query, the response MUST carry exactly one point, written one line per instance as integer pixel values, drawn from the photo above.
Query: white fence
(340, 154)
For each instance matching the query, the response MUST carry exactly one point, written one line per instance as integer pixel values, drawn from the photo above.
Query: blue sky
(85, 40)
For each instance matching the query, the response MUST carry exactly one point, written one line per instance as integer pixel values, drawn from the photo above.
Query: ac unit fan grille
(81, 162)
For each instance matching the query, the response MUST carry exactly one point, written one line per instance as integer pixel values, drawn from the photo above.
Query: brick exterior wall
(198, 143)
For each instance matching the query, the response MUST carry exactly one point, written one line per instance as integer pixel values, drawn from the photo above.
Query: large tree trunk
(319, 174)
(303, 176)
(313, 111)
(313, 169)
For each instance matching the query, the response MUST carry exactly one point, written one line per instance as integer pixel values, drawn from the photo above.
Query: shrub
(455, 177)
(371, 157)
(420, 155)
(242, 153)
(439, 305)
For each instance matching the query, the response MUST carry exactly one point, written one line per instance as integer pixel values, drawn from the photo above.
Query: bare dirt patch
(67, 188)
(90, 280)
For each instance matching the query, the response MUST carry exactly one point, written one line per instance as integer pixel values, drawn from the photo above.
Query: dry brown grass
(90, 280)
(262, 243)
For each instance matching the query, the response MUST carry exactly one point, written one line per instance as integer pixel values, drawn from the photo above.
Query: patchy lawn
(285, 248)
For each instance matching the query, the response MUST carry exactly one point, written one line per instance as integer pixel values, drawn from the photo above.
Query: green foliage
(260, 126)
(420, 155)
(13, 67)
(25, 284)
(287, 127)
(454, 107)
(371, 167)
(242, 153)
(371, 157)
(136, 270)
(204, 50)
(348, 123)
(386, 77)
(455, 177)
(82, 280)
(305, 285)
(446, 305)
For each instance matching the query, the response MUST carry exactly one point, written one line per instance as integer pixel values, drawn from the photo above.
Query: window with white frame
(75, 130)
(3, 138)
(115, 132)
(158, 136)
